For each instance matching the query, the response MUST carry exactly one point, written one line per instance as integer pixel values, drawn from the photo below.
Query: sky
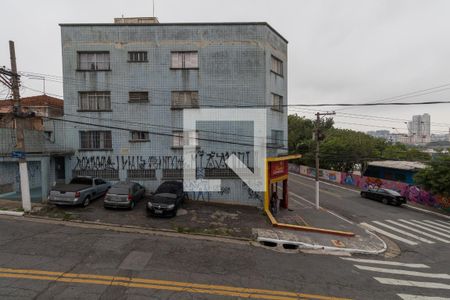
(346, 51)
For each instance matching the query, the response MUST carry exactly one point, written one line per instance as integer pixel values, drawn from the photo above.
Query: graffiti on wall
(412, 192)
(205, 160)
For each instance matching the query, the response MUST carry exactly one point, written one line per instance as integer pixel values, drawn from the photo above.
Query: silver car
(124, 195)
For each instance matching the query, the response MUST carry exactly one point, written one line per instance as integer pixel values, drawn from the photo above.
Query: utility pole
(317, 138)
(20, 139)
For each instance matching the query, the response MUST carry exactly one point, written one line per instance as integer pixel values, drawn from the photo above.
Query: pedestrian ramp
(407, 278)
(412, 232)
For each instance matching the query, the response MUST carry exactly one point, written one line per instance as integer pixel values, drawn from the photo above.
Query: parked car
(124, 195)
(386, 196)
(80, 191)
(166, 200)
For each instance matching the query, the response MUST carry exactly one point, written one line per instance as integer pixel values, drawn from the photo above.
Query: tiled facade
(233, 68)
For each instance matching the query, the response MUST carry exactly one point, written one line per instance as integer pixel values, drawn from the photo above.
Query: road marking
(431, 226)
(404, 232)
(357, 191)
(404, 272)
(427, 211)
(322, 190)
(329, 211)
(156, 284)
(389, 263)
(437, 224)
(423, 227)
(391, 235)
(419, 231)
(420, 284)
(417, 297)
(443, 222)
(303, 199)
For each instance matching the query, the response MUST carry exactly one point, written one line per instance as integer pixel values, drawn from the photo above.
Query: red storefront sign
(278, 168)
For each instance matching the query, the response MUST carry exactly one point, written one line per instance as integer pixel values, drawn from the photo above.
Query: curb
(137, 229)
(12, 213)
(301, 245)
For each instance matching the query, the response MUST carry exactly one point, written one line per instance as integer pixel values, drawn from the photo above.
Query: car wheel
(363, 195)
(132, 204)
(86, 201)
(385, 201)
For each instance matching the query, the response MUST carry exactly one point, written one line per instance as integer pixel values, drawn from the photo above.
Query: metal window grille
(138, 96)
(142, 174)
(137, 56)
(172, 173)
(95, 140)
(105, 174)
(185, 99)
(94, 101)
(94, 61)
(184, 60)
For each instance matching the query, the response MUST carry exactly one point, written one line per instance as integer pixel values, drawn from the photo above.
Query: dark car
(166, 200)
(386, 196)
(124, 195)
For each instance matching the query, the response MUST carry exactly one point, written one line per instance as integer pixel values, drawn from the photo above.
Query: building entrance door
(60, 168)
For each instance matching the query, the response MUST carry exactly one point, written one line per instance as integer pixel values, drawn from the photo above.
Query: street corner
(292, 241)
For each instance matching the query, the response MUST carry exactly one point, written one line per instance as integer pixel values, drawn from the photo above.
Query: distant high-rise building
(419, 129)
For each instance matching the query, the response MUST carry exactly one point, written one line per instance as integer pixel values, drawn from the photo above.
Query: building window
(137, 56)
(105, 174)
(277, 137)
(94, 61)
(142, 174)
(277, 102)
(184, 99)
(184, 60)
(94, 101)
(138, 97)
(181, 138)
(277, 66)
(172, 174)
(95, 140)
(139, 136)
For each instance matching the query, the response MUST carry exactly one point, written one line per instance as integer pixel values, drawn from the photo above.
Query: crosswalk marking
(404, 272)
(443, 222)
(393, 236)
(417, 297)
(420, 284)
(383, 262)
(419, 231)
(432, 226)
(437, 224)
(404, 232)
(424, 227)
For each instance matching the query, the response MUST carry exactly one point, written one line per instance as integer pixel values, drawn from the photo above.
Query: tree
(402, 152)
(436, 177)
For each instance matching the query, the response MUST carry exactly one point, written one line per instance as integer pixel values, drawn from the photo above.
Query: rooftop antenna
(153, 8)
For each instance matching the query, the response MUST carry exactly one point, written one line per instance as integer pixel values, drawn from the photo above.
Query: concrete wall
(234, 69)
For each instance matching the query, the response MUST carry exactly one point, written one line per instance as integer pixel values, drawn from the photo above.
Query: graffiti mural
(205, 160)
(412, 192)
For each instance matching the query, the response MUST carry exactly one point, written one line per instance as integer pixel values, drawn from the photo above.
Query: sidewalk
(303, 212)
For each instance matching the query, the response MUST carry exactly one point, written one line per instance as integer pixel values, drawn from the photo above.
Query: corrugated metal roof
(400, 165)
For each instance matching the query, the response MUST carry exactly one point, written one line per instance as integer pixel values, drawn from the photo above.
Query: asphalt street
(49, 261)
(423, 238)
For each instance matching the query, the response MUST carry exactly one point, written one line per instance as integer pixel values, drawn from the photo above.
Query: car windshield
(167, 188)
(81, 180)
